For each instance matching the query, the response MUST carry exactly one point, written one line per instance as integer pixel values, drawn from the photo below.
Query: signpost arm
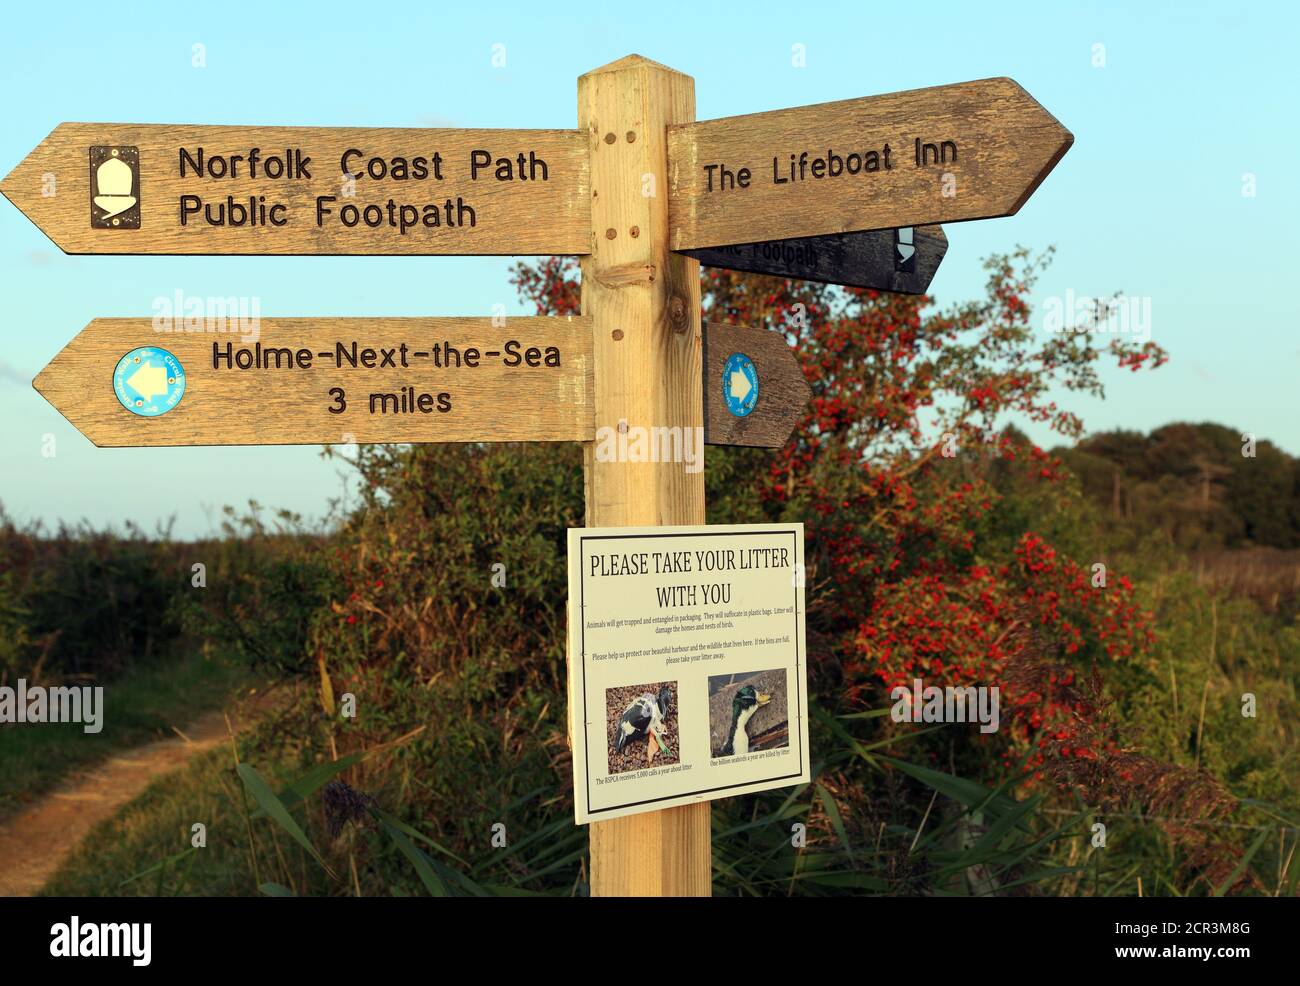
(645, 305)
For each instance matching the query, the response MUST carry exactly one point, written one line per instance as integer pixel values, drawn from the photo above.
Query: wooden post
(644, 302)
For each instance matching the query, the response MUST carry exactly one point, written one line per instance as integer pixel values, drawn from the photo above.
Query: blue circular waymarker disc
(740, 384)
(149, 381)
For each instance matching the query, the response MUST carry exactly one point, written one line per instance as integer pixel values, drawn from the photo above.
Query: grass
(146, 847)
(140, 706)
(265, 834)
(875, 824)
(1270, 576)
(968, 839)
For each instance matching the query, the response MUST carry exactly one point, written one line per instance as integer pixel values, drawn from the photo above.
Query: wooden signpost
(797, 193)
(903, 261)
(645, 303)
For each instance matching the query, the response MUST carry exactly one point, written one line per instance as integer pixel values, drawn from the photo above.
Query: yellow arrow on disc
(149, 381)
(739, 385)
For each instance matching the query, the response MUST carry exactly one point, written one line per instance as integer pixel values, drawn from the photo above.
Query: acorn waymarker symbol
(114, 187)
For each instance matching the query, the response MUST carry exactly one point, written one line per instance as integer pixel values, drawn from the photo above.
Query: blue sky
(1192, 97)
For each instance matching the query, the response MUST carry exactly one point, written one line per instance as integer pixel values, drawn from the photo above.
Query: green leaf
(556, 836)
(1223, 888)
(1271, 812)
(969, 793)
(840, 879)
(1014, 818)
(158, 867)
(185, 877)
(417, 834)
(833, 813)
(1039, 875)
(869, 714)
(276, 890)
(312, 781)
(423, 865)
(278, 813)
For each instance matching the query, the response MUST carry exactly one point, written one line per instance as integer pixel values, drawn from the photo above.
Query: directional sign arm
(783, 392)
(330, 381)
(947, 154)
(879, 259)
(108, 188)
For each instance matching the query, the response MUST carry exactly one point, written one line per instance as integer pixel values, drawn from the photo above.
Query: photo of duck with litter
(748, 712)
(642, 726)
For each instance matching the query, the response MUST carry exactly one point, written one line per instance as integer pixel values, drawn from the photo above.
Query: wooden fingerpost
(644, 302)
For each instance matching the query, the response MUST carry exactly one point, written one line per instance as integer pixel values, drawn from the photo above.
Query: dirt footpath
(35, 842)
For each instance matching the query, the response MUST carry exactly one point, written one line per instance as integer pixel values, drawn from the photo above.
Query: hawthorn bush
(889, 472)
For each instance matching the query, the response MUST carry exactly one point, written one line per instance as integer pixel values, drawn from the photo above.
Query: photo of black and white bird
(642, 721)
(748, 713)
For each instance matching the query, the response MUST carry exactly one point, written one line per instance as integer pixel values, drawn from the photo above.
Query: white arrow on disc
(149, 381)
(739, 385)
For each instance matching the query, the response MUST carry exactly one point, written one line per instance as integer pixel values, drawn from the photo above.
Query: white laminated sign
(687, 673)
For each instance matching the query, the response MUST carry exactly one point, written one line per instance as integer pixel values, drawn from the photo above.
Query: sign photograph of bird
(748, 713)
(643, 726)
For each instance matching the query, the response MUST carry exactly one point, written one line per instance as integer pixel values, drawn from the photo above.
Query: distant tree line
(1205, 485)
